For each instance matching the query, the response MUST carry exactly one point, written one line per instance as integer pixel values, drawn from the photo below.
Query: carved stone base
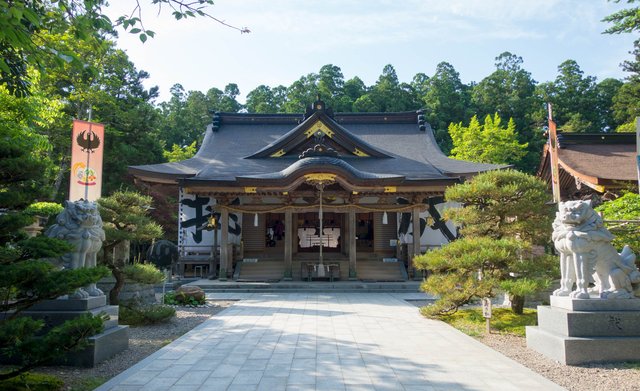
(574, 331)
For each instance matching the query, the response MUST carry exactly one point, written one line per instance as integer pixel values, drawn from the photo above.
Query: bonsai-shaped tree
(503, 214)
(125, 215)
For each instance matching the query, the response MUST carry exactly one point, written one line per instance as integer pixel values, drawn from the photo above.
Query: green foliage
(624, 21)
(125, 215)
(179, 153)
(623, 208)
(503, 213)
(526, 286)
(456, 267)
(32, 382)
(26, 168)
(505, 203)
(487, 143)
(447, 101)
(44, 209)
(145, 314)
(26, 278)
(179, 298)
(470, 321)
(144, 273)
(23, 24)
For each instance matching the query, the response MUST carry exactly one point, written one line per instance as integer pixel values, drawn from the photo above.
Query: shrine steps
(215, 286)
(259, 271)
(381, 271)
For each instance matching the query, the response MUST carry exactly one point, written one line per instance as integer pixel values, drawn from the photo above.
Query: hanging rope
(403, 208)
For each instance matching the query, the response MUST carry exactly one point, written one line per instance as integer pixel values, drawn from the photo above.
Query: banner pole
(553, 157)
(86, 182)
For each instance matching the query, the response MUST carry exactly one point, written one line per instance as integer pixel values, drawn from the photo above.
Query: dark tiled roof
(413, 153)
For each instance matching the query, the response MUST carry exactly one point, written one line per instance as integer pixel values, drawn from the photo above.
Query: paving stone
(193, 378)
(272, 384)
(249, 377)
(325, 341)
(216, 383)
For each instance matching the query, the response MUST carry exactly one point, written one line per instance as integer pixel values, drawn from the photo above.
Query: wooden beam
(288, 244)
(224, 240)
(351, 234)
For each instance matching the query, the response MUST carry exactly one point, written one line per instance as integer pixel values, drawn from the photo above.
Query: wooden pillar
(224, 240)
(351, 234)
(288, 244)
(415, 219)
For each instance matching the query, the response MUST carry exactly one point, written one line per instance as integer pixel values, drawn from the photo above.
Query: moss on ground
(470, 321)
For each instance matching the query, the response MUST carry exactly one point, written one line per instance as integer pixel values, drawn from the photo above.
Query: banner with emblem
(87, 149)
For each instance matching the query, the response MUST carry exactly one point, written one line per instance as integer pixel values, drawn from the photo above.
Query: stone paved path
(313, 341)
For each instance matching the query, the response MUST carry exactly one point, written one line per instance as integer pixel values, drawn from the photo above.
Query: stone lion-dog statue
(587, 256)
(80, 225)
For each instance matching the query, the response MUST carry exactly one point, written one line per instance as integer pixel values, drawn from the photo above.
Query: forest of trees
(41, 91)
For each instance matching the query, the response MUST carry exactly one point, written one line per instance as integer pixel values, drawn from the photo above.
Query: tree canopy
(490, 142)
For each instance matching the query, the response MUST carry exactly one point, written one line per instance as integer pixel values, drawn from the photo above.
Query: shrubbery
(144, 273)
(180, 298)
(138, 315)
(32, 382)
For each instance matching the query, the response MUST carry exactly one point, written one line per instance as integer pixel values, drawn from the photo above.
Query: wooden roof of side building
(600, 161)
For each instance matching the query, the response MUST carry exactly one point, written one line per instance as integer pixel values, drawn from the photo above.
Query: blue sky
(292, 38)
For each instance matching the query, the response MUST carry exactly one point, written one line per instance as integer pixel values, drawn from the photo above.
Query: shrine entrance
(308, 232)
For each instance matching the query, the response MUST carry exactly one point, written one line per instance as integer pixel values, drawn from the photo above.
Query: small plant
(43, 209)
(144, 273)
(138, 315)
(32, 382)
(180, 298)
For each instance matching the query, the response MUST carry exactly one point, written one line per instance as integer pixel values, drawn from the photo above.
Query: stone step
(303, 286)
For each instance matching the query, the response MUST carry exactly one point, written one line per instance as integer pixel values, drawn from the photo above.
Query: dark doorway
(364, 232)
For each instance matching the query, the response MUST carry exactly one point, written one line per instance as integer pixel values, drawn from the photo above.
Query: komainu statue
(587, 256)
(80, 225)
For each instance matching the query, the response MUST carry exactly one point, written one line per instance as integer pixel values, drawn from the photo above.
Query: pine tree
(26, 276)
(504, 214)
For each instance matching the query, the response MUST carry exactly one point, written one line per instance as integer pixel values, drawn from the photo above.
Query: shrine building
(600, 164)
(311, 196)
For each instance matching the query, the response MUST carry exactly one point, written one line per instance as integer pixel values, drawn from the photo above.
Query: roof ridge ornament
(320, 149)
(318, 107)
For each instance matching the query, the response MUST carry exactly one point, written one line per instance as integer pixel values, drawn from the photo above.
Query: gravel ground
(145, 340)
(595, 377)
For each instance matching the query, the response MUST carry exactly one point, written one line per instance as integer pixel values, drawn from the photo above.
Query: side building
(590, 165)
(312, 195)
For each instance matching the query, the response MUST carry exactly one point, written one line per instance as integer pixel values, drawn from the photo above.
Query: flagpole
(86, 170)
(553, 157)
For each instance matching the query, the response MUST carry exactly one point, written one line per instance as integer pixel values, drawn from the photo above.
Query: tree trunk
(517, 304)
(115, 291)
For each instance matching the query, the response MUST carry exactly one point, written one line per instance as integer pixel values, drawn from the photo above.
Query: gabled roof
(601, 161)
(319, 124)
(364, 147)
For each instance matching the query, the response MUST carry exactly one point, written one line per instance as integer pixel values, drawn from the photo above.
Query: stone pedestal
(579, 331)
(114, 339)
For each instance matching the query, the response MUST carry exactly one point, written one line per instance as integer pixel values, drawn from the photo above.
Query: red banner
(87, 142)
